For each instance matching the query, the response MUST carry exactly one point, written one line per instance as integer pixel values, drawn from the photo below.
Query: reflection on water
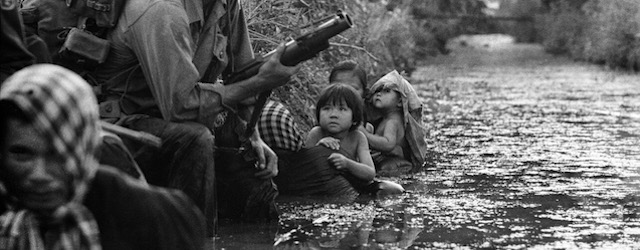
(527, 151)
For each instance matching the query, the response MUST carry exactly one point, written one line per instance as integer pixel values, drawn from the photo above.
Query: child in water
(398, 138)
(339, 112)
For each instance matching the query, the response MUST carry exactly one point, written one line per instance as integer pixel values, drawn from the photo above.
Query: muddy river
(527, 151)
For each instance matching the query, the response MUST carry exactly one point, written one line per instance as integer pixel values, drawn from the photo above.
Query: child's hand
(330, 142)
(369, 127)
(366, 128)
(338, 160)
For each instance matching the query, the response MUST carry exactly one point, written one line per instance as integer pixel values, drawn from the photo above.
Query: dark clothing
(308, 173)
(38, 48)
(113, 152)
(47, 19)
(149, 69)
(391, 165)
(13, 49)
(132, 216)
(222, 43)
(241, 195)
(184, 162)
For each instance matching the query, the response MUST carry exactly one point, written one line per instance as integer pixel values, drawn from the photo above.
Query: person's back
(126, 212)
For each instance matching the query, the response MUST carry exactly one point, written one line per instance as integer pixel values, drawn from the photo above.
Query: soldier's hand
(273, 73)
(267, 163)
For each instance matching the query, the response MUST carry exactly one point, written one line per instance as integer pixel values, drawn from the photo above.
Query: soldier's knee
(200, 136)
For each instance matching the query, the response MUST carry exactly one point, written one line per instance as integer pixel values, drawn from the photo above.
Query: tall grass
(599, 31)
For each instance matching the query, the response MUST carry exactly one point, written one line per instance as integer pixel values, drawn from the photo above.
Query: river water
(527, 151)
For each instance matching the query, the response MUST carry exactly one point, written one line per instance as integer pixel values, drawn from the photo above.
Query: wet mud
(527, 151)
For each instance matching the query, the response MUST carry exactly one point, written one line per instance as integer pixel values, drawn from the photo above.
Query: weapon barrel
(143, 137)
(300, 49)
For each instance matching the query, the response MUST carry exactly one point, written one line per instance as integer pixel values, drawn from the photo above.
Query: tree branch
(357, 48)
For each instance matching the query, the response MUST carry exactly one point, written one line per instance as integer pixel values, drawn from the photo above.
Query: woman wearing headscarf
(54, 193)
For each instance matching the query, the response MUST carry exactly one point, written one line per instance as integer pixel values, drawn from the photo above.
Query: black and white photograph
(319, 124)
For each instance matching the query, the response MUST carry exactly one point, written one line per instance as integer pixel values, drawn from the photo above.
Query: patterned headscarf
(64, 111)
(412, 113)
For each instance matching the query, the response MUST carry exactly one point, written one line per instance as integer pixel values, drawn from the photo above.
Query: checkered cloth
(278, 129)
(65, 111)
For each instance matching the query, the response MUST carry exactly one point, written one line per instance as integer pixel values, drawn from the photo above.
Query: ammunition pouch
(105, 12)
(83, 48)
(110, 109)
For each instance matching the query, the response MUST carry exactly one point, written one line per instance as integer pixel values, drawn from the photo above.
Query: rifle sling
(257, 111)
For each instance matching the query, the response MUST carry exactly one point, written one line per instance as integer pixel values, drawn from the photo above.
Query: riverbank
(597, 31)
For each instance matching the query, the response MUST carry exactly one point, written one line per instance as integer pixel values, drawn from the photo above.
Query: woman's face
(34, 171)
(349, 78)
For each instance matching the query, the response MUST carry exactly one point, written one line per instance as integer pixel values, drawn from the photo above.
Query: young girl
(339, 114)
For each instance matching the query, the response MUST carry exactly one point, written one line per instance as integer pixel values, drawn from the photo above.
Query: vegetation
(599, 31)
(385, 36)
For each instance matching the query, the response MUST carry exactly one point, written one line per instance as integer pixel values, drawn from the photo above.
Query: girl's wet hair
(341, 93)
(349, 66)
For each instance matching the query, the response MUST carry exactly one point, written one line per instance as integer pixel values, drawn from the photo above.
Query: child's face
(386, 98)
(349, 78)
(336, 117)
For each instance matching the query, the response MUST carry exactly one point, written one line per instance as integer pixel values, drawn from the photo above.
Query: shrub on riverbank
(598, 31)
(385, 36)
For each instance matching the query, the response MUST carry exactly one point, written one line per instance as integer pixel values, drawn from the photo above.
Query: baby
(397, 142)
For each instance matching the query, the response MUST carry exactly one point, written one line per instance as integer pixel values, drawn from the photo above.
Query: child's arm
(364, 169)
(389, 138)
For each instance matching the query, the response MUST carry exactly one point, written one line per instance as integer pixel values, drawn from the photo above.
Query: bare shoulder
(395, 117)
(354, 140)
(315, 131)
(359, 135)
(390, 121)
(314, 135)
(360, 138)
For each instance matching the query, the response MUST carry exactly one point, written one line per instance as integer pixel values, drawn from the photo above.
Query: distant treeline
(599, 31)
